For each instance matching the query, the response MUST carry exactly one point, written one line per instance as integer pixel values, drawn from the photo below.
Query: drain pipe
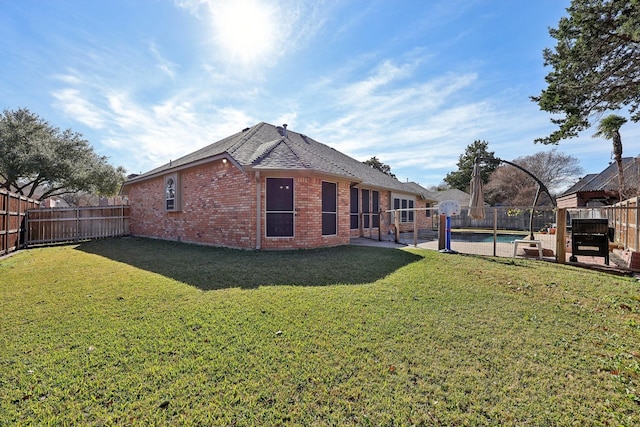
(258, 210)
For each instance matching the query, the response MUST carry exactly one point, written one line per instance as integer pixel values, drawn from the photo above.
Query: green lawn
(145, 332)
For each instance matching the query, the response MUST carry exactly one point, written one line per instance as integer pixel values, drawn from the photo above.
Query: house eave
(211, 159)
(302, 171)
(353, 181)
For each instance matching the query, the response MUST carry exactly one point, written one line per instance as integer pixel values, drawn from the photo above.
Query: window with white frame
(171, 193)
(406, 215)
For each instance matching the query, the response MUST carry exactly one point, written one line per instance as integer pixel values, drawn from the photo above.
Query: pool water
(484, 237)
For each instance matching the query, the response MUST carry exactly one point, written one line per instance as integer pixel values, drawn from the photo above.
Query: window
(171, 193)
(365, 208)
(405, 215)
(329, 208)
(375, 205)
(354, 208)
(280, 211)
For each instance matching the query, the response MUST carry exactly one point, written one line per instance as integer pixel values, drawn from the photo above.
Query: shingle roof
(439, 196)
(453, 194)
(268, 147)
(583, 182)
(607, 180)
(414, 187)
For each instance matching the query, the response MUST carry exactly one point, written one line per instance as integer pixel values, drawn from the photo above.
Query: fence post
(4, 205)
(26, 229)
(442, 231)
(396, 223)
(636, 243)
(415, 228)
(561, 236)
(77, 232)
(21, 231)
(495, 231)
(5, 224)
(626, 233)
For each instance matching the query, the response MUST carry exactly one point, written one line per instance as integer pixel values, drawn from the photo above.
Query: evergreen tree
(461, 178)
(595, 65)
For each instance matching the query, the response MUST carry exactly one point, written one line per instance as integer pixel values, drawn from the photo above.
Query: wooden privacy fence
(625, 217)
(13, 209)
(55, 225)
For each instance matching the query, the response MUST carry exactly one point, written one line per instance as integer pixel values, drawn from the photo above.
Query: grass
(144, 332)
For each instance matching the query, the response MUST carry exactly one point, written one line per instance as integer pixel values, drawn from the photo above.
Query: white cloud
(389, 113)
(141, 135)
(415, 119)
(289, 118)
(163, 64)
(80, 109)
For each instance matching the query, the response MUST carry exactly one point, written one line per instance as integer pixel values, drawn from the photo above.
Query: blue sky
(411, 82)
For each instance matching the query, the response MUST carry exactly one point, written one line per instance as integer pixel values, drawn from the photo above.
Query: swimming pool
(469, 236)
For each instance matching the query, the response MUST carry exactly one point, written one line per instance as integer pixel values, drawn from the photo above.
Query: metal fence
(495, 235)
(546, 231)
(56, 225)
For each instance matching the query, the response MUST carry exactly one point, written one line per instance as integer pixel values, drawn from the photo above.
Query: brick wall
(218, 207)
(308, 216)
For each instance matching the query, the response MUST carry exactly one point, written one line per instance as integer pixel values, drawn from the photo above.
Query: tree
(461, 178)
(440, 187)
(39, 160)
(512, 187)
(595, 65)
(375, 163)
(609, 128)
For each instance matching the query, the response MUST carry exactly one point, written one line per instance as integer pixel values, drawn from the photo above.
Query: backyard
(135, 331)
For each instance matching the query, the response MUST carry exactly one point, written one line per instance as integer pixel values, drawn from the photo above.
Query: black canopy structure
(494, 160)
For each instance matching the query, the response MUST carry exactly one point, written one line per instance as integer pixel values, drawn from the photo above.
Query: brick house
(267, 187)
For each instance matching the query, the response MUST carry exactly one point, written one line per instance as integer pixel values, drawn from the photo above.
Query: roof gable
(424, 193)
(607, 180)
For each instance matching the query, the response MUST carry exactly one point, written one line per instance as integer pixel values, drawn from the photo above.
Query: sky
(410, 82)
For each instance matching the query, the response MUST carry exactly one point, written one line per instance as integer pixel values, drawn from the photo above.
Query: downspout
(258, 210)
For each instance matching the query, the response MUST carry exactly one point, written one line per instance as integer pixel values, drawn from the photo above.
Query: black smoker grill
(590, 237)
